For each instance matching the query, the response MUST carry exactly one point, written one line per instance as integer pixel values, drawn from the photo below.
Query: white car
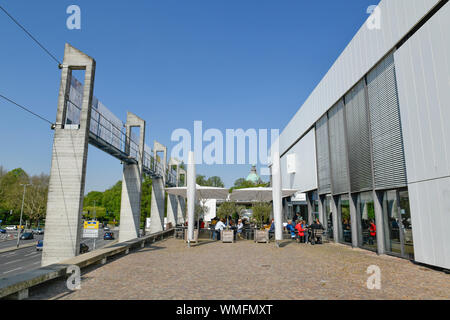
(11, 228)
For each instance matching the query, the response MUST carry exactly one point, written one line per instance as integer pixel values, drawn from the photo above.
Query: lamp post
(21, 212)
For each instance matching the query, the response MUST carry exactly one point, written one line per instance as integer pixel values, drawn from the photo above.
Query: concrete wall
(423, 77)
(305, 176)
(366, 49)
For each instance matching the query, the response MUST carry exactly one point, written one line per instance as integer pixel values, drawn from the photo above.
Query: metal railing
(111, 132)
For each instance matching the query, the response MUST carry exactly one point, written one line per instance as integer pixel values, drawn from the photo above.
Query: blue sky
(230, 63)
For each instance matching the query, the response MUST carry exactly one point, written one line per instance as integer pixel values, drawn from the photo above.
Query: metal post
(191, 193)
(21, 213)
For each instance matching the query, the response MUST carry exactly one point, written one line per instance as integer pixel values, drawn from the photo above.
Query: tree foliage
(213, 181)
(12, 191)
(261, 212)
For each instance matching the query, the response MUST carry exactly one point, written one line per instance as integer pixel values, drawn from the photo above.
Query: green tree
(201, 180)
(261, 212)
(215, 181)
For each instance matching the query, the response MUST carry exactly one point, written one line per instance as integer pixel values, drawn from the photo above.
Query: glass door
(367, 229)
(405, 214)
(328, 216)
(346, 222)
(397, 223)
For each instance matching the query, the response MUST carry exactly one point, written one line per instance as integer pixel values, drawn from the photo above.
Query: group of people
(301, 230)
(219, 225)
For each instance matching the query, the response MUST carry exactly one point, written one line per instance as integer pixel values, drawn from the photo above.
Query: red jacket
(301, 231)
(373, 230)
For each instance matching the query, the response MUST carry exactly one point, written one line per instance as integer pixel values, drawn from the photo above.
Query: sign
(90, 229)
(298, 196)
(290, 159)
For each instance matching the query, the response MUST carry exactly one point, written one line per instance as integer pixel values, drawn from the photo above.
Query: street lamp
(21, 212)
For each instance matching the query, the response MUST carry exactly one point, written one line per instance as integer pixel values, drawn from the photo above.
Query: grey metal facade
(323, 156)
(388, 130)
(338, 149)
(387, 140)
(358, 137)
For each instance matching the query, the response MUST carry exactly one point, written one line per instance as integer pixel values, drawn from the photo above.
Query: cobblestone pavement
(245, 270)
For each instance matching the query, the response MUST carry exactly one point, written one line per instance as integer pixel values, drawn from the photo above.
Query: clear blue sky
(230, 63)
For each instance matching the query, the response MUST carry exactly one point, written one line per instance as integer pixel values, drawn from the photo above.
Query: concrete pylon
(181, 218)
(277, 196)
(191, 193)
(130, 205)
(158, 192)
(172, 201)
(68, 170)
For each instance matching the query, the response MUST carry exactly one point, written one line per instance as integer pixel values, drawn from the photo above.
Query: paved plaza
(245, 270)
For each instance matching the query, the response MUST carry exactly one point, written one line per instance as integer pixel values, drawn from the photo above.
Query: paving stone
(245, 270)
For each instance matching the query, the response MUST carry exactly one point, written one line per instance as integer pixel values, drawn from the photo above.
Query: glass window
(405, 214)
(328, 217)
(367, 229)
(397, 216)
(346, 235)
(315, 205)
(392, 222)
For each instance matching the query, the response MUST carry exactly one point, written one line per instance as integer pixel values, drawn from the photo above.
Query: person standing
(220, 225)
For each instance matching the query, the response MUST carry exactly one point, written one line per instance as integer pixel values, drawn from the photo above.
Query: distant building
(253, 176)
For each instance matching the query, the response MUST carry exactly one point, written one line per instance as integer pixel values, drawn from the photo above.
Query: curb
(15, 248)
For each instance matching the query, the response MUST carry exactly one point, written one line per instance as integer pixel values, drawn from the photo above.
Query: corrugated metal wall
(323, 156)
(387, 141)
(338, 149)
(368, 47)
(358, 137)
(423, 75)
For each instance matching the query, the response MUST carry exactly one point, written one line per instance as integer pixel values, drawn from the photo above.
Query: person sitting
(219, 227)
(302, 232)
(316, 226)
(290, 227)
(240, 228)
(272, 229)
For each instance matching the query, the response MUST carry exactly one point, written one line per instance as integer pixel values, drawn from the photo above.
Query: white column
(276, 195)
(191, 190)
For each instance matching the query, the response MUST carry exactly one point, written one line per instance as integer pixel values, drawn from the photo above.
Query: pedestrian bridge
(107, 132)
(81, 119)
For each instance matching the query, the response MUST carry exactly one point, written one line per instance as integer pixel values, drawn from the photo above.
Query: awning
(258, 194)
(203, 192)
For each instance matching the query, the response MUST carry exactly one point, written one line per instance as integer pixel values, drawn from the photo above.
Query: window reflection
(367, 230)
(346, 235)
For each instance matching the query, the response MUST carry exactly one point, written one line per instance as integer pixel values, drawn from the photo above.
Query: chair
(317, 235)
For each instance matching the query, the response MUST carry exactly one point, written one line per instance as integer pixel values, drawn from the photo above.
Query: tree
(146, 198)
(36, 197)
(261, 212)
(201, 180)
(215, 181)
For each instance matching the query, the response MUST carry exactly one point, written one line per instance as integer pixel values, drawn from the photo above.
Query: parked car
(39, 245)
(27, 236)
(83, 248)
(11, 228)
(108, 236)
(38, 231)
(106, 229)
(2, 231)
